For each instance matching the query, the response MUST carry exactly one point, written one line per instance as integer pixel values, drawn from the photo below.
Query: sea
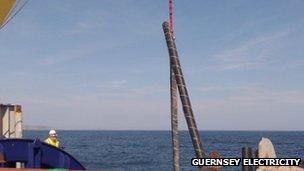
(151, 150)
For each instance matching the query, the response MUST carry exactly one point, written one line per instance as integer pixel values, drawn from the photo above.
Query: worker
(52, 139)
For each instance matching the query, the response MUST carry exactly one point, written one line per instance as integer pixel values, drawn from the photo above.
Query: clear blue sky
(75, 64)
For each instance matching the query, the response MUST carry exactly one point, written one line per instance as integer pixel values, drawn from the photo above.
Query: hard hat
(53, 133)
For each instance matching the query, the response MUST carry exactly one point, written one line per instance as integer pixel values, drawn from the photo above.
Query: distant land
(36, 127)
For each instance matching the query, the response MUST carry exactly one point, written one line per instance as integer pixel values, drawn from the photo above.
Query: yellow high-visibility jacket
(53, 142)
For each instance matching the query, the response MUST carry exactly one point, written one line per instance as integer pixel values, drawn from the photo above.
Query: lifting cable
(171, 16)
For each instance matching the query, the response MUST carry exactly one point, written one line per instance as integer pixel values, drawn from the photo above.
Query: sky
(75, 64)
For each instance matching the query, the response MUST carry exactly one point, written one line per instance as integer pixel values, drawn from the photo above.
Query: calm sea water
(151, 150)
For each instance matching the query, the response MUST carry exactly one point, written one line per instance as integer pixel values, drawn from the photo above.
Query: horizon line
(285, 130)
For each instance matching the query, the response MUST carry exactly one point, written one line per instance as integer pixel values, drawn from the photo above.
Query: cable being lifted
(177, 80)
(174, 106)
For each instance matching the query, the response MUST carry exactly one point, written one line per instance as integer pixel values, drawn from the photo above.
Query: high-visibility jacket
(53, 142)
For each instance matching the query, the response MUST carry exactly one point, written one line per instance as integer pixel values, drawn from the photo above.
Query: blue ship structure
(35, 154)
(19, 153)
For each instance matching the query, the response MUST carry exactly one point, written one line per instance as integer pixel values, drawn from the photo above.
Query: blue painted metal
(36, 154)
